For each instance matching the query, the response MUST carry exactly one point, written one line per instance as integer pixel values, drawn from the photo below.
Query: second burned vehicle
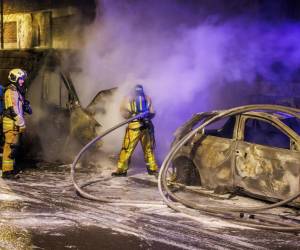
(256, 152)
(59, 125)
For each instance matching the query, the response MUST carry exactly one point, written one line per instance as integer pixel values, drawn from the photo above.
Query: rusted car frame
(228, 164)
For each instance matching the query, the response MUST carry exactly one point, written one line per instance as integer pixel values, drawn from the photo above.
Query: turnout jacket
(131, 107)
(14, 114)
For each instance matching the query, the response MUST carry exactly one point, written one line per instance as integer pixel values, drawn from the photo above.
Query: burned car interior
(226, 131)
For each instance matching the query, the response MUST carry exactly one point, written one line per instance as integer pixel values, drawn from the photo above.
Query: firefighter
(13, 120)
(138, 130)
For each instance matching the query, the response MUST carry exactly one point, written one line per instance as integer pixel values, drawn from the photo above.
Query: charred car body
(254, 152)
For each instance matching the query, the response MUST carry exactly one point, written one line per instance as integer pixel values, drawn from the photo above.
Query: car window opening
(223, 128)
(264, 133)
(293, 123)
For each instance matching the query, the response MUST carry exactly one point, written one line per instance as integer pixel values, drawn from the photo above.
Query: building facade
(44, 24)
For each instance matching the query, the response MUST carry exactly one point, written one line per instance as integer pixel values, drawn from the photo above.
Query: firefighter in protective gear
(13, 120)
(138, 130)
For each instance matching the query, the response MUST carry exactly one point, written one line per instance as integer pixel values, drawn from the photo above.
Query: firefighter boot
(119, 173)
(152, 172)
(10, 175)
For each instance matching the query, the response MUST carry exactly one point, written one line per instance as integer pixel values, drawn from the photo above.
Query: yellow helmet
(15, 74)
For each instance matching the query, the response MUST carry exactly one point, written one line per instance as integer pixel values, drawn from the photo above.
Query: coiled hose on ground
(170, 198)
(84, 149)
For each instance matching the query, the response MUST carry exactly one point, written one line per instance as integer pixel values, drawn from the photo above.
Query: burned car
(256, 152)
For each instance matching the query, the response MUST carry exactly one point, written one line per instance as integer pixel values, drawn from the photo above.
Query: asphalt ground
(41, 210)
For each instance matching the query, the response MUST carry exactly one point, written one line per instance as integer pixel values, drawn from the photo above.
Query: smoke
(47, 134)
(188, 60)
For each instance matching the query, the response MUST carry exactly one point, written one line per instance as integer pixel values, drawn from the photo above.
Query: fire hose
(170, 198)
(163, 185)
(84, 149)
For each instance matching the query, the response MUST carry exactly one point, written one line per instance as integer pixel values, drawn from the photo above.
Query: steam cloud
(187, 60)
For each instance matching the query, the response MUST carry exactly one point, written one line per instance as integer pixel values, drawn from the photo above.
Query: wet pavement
(42, 211)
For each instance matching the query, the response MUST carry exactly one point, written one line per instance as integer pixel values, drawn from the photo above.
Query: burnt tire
(186, 172)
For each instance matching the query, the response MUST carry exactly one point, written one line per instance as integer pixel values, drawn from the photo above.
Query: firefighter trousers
(11, 139)
(131, 139)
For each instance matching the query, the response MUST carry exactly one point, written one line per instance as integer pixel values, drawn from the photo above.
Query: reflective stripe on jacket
(133, 106)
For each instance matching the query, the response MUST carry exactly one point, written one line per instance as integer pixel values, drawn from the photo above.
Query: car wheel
(186, 172)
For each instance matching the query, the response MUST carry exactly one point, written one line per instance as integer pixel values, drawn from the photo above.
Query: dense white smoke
(187, 62)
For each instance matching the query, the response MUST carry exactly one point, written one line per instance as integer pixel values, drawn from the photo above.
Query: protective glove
(143, 115)
(27, 108)
(147, 115)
